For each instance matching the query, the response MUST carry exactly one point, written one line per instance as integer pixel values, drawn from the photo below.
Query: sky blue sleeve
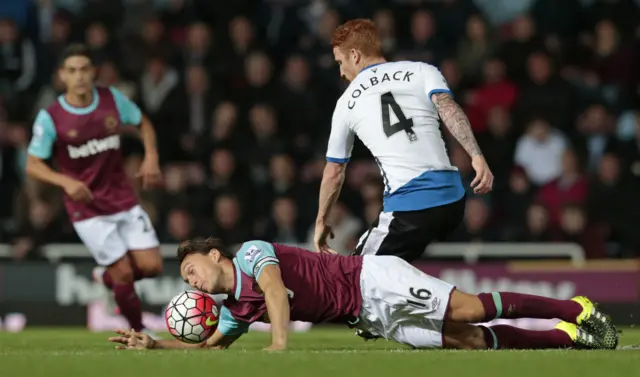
(130, 113)
(229, 325)
(44, 135)
(254, 256)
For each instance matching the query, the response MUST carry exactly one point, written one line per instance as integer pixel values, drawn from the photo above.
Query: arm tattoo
(457, 122)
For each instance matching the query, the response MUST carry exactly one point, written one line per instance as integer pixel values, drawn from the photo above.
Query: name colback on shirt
(377, 79)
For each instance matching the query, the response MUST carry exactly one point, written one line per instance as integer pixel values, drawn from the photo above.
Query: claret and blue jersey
(321, 287)
(44, 128)
(388, 106)
(85, 144)
(250, 260)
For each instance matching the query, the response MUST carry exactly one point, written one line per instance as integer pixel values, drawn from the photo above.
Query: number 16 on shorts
(422, 299)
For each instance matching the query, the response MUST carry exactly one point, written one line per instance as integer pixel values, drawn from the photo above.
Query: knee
(463, 336)
(465, 308)
(121, 273)
(150, 265)
(151, 270)
(475, 339)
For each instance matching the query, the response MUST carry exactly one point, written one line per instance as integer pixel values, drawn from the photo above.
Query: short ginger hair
(360, 34)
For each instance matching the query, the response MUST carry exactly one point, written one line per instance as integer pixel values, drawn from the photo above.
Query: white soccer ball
(192, 316)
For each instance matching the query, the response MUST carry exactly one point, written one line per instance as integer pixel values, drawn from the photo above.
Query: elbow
(276, 294)
(334, 171)
(30, 166)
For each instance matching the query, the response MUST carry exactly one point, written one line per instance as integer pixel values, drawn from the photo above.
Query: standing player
(81, 131)
(383, 295)
(394, 108)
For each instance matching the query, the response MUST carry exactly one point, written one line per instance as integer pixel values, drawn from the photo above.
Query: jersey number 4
(388, 104)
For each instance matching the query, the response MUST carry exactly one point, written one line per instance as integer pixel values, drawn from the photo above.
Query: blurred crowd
(241, 93)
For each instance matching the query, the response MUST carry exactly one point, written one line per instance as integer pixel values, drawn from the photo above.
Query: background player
(381, 294)
(394, 108)
(81, 132)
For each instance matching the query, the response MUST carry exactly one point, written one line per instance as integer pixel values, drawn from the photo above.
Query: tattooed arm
(457, 122)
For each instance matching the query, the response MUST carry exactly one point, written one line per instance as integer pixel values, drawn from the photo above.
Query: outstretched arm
(130, 339)
(458, 124)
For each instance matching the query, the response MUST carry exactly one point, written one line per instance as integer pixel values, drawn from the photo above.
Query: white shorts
(401, 303)
(110, 237)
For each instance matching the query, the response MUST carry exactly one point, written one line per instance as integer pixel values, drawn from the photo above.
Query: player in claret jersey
(383, 295)
(80, 131)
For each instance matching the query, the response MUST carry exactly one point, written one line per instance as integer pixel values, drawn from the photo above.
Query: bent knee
(465, 308)
(121, 272)
(463, 336)
(148, 262)
(151, 270)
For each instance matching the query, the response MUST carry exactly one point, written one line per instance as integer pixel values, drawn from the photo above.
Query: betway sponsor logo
(95, 146)
(73, 288)
(466, 280)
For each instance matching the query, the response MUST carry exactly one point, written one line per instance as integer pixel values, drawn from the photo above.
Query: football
(192, 317)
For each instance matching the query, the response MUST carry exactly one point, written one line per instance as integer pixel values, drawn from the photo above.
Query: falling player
(395, 108)
(383, 295)
(81, 132)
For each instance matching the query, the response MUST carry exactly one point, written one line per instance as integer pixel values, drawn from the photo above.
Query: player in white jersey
(395, 108)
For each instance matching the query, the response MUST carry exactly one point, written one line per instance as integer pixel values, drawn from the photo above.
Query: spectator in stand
(284, 225)
(18, 68)
(498, 144)
(475, 48)
(387, 28)
(546, 94)
(451, 72)
(539, 151)
(523, 41)
(570, 187)
(538, 228)
(515, 203)
(179, 226)
(595, 134)
(424, 45)
(575, 228)
(496, 91)
(476, 225)
(229, 221)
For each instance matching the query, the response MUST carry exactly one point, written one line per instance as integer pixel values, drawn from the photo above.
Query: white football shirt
(388, 106)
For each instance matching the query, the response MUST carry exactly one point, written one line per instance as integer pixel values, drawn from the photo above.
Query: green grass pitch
(327, 352)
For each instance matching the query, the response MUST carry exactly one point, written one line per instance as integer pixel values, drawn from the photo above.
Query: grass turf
(322, 352)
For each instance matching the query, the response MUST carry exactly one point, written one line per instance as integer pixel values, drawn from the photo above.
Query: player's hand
(322, 232)
(77, 191)
(483, 182)
(131, 339)
(150, 172)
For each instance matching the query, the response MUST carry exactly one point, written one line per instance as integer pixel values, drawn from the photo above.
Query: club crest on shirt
(251, 254)
(111, 123)
(72, 134)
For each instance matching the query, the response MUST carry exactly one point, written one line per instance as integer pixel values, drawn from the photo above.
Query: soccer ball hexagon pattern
(192, 316)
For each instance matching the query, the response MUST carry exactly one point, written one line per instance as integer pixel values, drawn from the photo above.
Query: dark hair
(73, 50)
(202, 246)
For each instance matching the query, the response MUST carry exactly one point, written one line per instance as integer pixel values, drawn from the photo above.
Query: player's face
(77, 74)
(203, 271)
(348, 62)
